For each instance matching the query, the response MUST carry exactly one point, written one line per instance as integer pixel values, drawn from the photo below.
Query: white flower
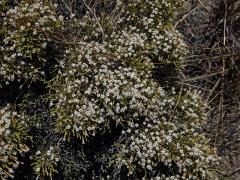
(44, 45)
(22, 28)
(38, 152)
(38, 169)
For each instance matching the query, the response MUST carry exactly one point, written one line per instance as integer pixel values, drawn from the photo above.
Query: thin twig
(190, 85)
(203, 76)
(215, 57)
(213, 89)
(185, 16)
(95, 16)
(232, 173)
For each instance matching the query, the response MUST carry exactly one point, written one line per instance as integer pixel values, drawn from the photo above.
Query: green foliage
(152, 21)
(27, 30)
(45, 163)
(92, 90)
(175, 142)
(13, 134)
(102, 88)
(94, 77)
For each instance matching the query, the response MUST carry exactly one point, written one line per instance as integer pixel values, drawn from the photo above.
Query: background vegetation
(119, 89)
(211, 30)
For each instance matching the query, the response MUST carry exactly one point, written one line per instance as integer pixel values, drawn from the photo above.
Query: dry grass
(212, 31)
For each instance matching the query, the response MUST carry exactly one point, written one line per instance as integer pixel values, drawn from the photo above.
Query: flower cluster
(145, 28)
(105, 79)
(93, 83)
(142, 31)
(45, 162)
(3, 8)
(173, 140)
(156, 12)
(27, 30)
(110, 81)
(12, 137)
(93, 89)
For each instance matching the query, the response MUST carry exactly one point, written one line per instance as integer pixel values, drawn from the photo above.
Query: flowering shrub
(103, 84)
(27, 31)
(109, 80)
(96, 76)
(146, 28)
(172, 142)
(45, 163)
(92, 90)
(13, 133)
